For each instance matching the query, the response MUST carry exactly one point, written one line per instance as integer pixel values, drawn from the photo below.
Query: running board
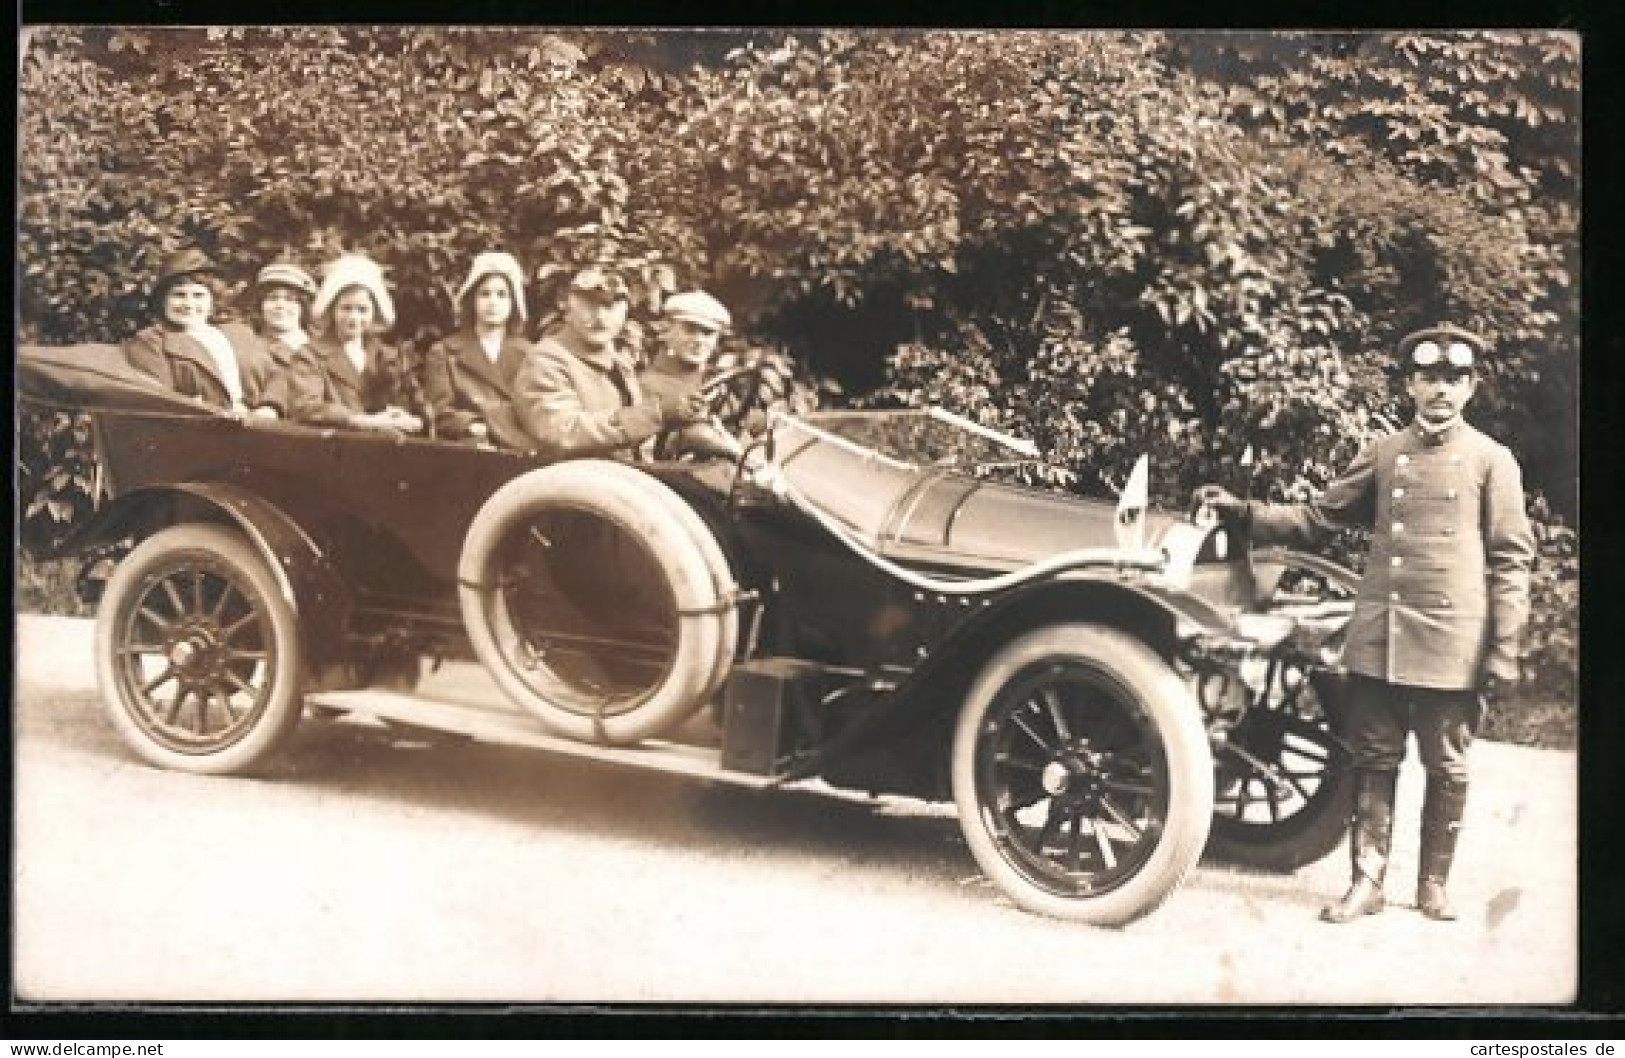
(513, 728)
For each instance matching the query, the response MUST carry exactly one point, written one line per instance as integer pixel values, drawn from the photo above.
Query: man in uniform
(577, 393)
(1434, 634)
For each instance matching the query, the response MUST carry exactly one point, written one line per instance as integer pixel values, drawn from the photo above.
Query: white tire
(198, 653)
(1082, 775)
(598, 601)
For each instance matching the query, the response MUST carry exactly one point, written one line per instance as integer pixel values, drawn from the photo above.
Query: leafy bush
(1552, 640)
(1184, 245)
(56, 476)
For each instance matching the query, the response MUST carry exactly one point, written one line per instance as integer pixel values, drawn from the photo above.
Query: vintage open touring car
(1102, 691)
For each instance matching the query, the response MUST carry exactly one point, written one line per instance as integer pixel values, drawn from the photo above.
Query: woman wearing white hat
(346, 376)
(468, 377)
(224, 366)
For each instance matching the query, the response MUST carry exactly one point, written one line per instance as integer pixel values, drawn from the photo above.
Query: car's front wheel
(1082, 775)
(198, 654)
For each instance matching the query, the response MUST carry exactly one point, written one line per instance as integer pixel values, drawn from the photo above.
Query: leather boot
(1443, 804)
(1370, 833)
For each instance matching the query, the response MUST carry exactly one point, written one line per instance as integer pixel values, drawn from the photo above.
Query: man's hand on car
(1224, 505)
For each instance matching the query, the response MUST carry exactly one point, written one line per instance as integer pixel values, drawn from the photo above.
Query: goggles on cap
(1431, 354)
(593, 279)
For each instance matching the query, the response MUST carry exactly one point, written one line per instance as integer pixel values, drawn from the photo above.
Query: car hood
(946, 518)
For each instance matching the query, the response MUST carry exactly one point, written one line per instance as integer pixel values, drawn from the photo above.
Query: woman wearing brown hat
(347, 376)
(225, 366)
(468, 377)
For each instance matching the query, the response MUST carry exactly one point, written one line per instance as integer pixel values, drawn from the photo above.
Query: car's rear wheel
(1082, 775)
(598, 601)
(1284, 788)
(1283, 780)
(198, 654)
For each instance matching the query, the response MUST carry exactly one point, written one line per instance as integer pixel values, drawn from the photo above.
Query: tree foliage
(1181, 244)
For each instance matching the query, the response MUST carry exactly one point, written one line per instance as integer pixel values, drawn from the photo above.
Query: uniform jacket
(463, 387)
(582, 404)
(180, 362)
(324, 388)
(1445, 594)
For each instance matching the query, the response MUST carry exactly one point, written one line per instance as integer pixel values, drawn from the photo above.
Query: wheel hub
(1078, 777)
(195, 655)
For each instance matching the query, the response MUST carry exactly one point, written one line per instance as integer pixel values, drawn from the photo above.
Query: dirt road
(375, 867)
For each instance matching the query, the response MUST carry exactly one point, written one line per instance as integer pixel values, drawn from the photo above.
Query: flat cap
(696, 306)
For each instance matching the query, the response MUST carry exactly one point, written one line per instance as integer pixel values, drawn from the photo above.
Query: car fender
(303, 574)
(1155, 616)
(930, 695)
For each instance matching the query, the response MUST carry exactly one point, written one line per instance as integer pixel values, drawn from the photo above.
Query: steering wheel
(735, 393)
(731, 396)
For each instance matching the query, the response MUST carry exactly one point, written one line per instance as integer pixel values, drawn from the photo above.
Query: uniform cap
(597, 281)
(1444, 344)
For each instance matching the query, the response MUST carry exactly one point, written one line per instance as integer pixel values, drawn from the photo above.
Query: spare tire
(598, 600)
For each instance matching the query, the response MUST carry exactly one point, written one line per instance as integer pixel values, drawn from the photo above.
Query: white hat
(696, 306)
(354, 270)
(501, 264)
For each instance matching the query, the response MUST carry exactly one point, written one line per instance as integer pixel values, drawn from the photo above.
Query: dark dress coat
(181, 363)
(1445, 594)
(463, 386)
(324, 388)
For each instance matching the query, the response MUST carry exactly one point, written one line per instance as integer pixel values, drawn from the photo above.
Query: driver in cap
(694, 323)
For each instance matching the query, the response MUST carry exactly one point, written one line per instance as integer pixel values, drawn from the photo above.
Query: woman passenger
(283, 293)
(346, 376)
(223, 365)
(468, 377)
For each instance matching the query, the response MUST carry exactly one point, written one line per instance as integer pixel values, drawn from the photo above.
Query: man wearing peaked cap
(578, 393)
(1434, 636)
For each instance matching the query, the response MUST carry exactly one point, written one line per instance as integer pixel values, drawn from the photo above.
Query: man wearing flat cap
(1436, 625)
(577, 393)
(694, 324)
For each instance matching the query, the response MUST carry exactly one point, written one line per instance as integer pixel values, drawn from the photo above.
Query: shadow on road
(534, 788)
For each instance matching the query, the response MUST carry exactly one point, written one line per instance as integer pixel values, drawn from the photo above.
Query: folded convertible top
(95, 377)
